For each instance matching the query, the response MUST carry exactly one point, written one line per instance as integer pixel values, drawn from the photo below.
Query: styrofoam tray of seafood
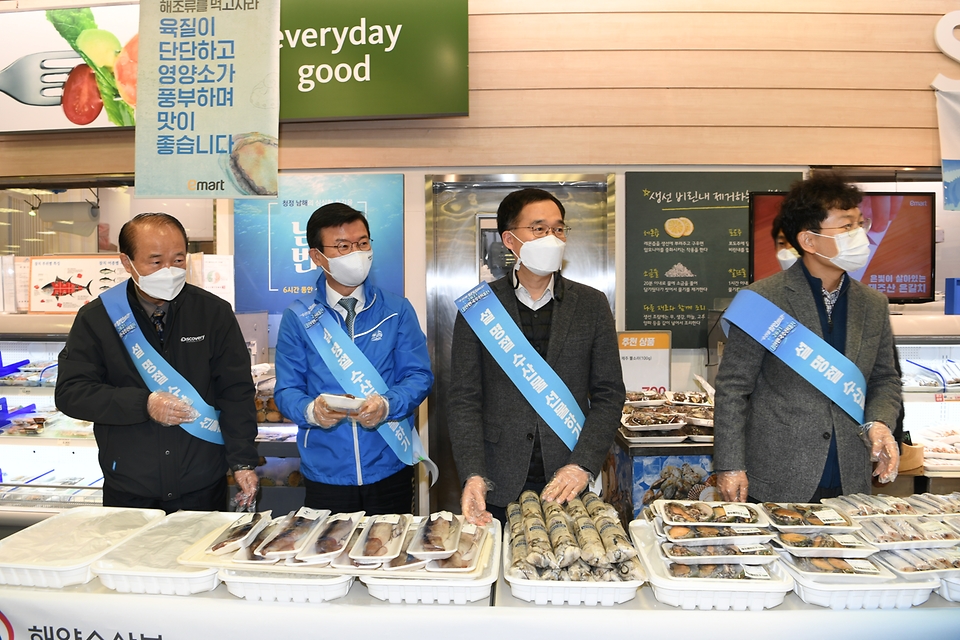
(339, 563)
(639, 421)
(437, 536)
(692, 512)
(272, 587)
(824, 545)
(654, 436)
(576, 553)
(862, 505)
(735, 587)
(808, 518)
(949, 589)
(147, 561)
(719, 554)
(697, 535)
(443, 588)
(838, 570)
(644, 399)
(696, 398)
(913, 533)
(897, 594)
(913, 564)
(330, 539)
(292, 534)
(57, 552)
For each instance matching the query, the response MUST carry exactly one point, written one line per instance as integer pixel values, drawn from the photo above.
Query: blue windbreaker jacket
(388, 333)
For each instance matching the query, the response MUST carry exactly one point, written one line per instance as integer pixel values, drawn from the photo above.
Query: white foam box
(446, 589)
(273, 587)
(897, 594)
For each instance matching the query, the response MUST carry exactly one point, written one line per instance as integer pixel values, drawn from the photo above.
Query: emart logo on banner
(948, 112)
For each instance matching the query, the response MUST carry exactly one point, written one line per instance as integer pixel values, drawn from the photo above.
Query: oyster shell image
(252, 166)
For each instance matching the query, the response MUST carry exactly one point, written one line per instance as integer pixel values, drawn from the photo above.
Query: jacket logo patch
(377, 336)
(193, 338)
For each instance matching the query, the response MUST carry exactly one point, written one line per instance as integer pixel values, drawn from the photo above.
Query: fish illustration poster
(208, 100)
(64, 284)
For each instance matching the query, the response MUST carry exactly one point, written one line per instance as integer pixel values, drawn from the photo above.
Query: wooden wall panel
(634, 82)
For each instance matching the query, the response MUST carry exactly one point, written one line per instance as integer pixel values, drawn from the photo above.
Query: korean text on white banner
(208, 103)
(948, 112)
(645, 360)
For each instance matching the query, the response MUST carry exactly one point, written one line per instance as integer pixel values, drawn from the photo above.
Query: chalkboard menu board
(687, 246)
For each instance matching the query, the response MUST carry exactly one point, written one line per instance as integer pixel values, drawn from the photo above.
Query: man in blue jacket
(347, 464)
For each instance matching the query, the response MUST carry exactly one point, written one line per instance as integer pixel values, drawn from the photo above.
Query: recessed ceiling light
(13, 246)
(46, 233)
(33, 239)
(33, 192)
(9, 210)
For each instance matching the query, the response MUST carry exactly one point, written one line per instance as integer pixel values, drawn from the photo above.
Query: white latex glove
(373, 411)
(169, 410)
(884, 451)
(566, 484)
(325, 415)
(733, 485)
(248, 482)
(473, 501)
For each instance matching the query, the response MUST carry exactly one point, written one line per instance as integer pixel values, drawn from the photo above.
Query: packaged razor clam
(880, 532)
(290, 537)
(947, 506)
(902, 507)
(239, 533)
(924, 506)
(248, 554)
(940, 558)
(852, 506)
(907, 532)
(437, 536)
(381, 538)
(330, 538)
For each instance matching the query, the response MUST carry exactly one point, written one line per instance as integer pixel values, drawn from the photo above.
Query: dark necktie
(350, 304)
(157, 319)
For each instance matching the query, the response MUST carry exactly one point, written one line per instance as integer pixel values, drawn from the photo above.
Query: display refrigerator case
(48, 462)
(929, 354)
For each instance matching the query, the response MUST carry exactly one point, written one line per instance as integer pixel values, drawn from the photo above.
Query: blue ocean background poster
(272, 262)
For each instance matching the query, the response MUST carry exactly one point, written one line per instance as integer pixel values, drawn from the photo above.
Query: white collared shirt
(333, 299)
(524, 296)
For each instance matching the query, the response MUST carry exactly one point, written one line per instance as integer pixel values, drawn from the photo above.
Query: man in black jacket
(148, 461)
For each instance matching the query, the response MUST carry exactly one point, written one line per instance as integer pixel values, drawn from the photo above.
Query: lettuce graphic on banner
(948, 112)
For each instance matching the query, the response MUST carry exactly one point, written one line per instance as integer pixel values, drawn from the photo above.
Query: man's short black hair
(127, 231)
(513, 204)
(334, 214)
(809, 201)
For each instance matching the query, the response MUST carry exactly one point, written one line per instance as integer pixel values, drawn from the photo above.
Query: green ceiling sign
(372, 58)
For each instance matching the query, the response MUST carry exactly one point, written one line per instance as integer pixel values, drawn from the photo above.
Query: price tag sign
(847, 539)
(645, 360)
(863, 566)
(756, 572)
(750, 549)
(737, 511)
(829, 516)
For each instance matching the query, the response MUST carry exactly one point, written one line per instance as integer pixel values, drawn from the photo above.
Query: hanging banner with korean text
(208, 99)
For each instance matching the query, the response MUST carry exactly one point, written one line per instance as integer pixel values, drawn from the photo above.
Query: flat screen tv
(902, 250)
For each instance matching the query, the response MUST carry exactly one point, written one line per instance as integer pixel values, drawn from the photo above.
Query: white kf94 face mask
(853, 249)
(787, 257)
(542, 256)
(163, 284)
(352, 269)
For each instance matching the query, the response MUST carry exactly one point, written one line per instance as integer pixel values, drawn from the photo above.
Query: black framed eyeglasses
(348, 247)
(540, 230)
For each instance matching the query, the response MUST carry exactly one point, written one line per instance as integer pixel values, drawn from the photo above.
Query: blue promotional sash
(358, 377)
(525, 368)
(156, 372)
(800, 349)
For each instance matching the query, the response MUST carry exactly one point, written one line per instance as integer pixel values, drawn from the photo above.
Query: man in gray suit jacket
(500, 444)
(777, 436)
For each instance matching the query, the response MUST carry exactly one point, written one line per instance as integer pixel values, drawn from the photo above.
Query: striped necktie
(157, 319)
(350, 304)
